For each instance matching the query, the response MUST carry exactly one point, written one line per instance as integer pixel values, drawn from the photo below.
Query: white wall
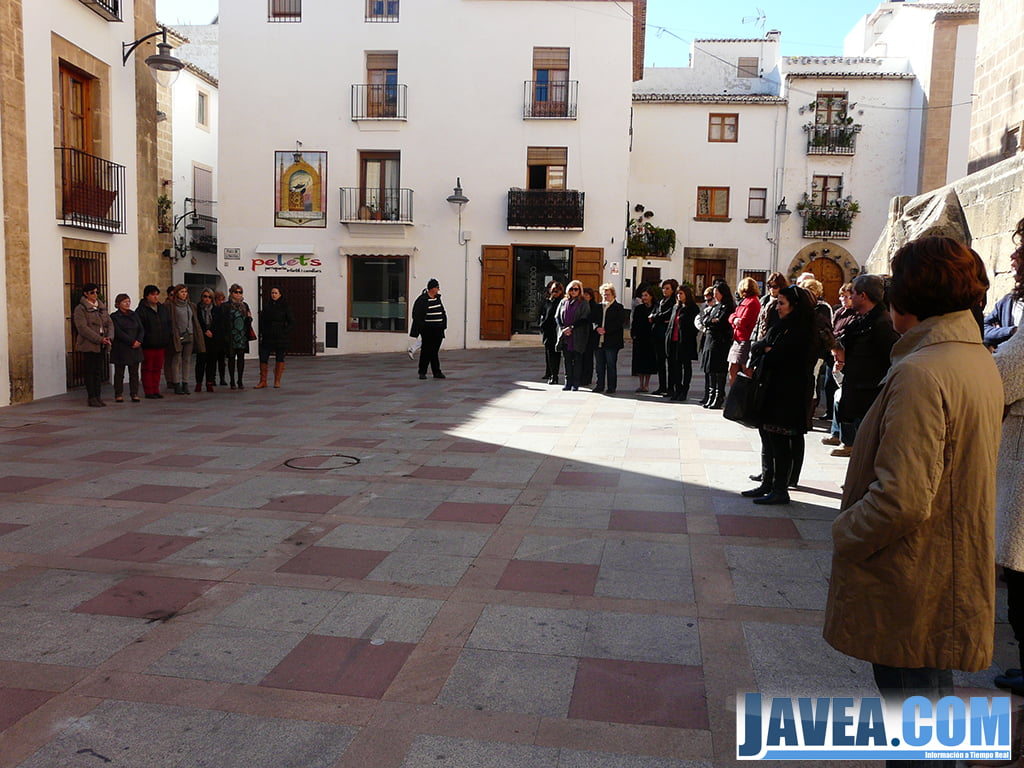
(102, 39)
(464, 64)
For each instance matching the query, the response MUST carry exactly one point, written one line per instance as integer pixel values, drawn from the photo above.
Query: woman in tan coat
(913, 588)
(94, 332)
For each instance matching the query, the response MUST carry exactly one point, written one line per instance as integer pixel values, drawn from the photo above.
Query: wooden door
(830, 275)
(588, 266)
(707, 272)
(300, 293)
(496, 293)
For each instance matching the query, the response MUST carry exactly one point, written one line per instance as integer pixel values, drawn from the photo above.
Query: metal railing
(370, 205)
(108, 9)
(552, 99)
(381, 10)
(204, 239)
(832, 140)
(545, 209)
(92, 192)
(379, 101)
(827, 223)
(284, 10)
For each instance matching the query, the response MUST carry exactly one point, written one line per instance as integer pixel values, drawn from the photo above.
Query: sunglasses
(574, 289)
(236, 291)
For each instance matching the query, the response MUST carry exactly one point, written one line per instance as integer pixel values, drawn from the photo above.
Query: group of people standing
(161, 335)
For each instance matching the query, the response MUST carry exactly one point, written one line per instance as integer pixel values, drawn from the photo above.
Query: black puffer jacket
(156, 323)
(276, 323)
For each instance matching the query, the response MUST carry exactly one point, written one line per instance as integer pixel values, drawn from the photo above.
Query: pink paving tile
(471, 446)
(6, 528)
(113, 457)
(146, 597)
(18, 484)
(443, 473)
(356, 442)
(757, 527)
(602, 479)
(140, 547)
(334, 561)
(241, 438)
(433, 425)
(40, 441)
(557, 578)
(351, 416)
(60, 412)
(157, 494)
(344, 666)
(639, 693)
(311, 503)
(180, 460)
(209, 428)
(15, 703)
(541, 429)
(656, 522)
(459, 512)
(42, 429)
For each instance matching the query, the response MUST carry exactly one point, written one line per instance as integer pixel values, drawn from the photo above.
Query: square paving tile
(557, 578)
(113, 457)
(530, 630)
(282, 609)
(443, 473)
(449, 752)
(642, 637)
(140, 547)
(15, 703)
(453, 511)
(223, 653)
(588, 479)
(639, 693)
(6, 528)
(181, 460)
(157, 494)
(340, 665)
(146, 597)
(648, 521)
(380, 617)
(561, 549)
(312, 503)
(20, 484)
(471, 446)
(757, 527)
(335, 561)
(420, 568)
(528, 683)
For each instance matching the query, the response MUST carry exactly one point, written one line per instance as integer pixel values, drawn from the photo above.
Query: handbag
(250, 334)
(743, 403)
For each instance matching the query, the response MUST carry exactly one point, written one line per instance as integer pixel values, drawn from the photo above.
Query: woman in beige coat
(912, 587)
(94, 332)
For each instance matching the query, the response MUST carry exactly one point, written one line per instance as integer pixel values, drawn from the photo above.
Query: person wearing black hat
(429, 321)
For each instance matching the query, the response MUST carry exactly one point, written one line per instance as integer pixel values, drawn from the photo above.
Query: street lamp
(781, 212)
(459, 199)
(162, 65)
(181, 243)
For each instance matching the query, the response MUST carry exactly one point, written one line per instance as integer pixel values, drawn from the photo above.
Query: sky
(808, 29)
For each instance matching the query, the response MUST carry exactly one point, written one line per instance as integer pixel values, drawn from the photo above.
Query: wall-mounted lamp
(459, 199)
(181, 242)
(162, 65)
(782, 210)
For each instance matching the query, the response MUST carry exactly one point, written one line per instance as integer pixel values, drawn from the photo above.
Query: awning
(376, 250)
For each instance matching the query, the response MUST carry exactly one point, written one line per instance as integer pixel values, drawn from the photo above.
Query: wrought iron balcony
(379, 101)
(108, 9)
(381, 10)
(832, 139)
(205, 239)
(92, 192)
(389, 205)
(828, 222)
(284, 10)
(545, 209)
(555, 99)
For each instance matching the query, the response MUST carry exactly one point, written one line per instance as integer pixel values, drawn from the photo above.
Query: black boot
(719, 400)
(782, 466)
(708, 390)
(765, 478)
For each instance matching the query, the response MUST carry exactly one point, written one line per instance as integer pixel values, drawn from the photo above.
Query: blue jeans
(606, 361)
(898, 683)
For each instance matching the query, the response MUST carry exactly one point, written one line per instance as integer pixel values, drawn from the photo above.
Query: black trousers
(428, 352)
(661, 360)
(133, 379)
(680, 370)
(1015, 607)
(897, 683)
(776, 460)
(552, 361)
(236, 365)
(92, 370)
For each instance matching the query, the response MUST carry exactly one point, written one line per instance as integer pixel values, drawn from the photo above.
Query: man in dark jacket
(867, 342)
(156, 323)
(1001, 323)
(429, 321)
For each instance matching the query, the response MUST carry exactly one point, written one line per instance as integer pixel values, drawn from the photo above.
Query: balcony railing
(359, 204)
(382, 10)
(827, 222)
(92, 192)
(108, 9)
(379, 102)
(552, 99)
(832, 139)
(205, 239)
(545, 209)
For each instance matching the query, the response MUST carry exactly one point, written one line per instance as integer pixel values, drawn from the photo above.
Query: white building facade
(334, 173)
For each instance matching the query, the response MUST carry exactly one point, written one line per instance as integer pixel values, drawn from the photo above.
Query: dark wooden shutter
(588, 266)
(496, 293)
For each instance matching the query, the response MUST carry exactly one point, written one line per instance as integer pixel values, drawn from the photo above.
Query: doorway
(707, 272)
(82, 265)
(300, 293)
(534, 268)
(830, 275)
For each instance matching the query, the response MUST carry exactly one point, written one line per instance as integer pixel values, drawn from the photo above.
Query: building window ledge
(756, 220)
(723, 219)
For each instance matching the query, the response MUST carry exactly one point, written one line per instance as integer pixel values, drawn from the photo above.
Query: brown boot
(278, 372)
(263, 376)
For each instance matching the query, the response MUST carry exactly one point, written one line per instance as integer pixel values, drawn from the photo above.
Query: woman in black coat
(659, 324)
(126, 348)
(573, 318)
(717, 342)
(783, 363)
(609, 321)
(276, 323)
(549, 331)
(206, 362)
(587, 376)
(681, 344)
(643, 363)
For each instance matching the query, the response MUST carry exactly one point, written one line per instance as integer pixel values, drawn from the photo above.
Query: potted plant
(645, 240)
(163, 211)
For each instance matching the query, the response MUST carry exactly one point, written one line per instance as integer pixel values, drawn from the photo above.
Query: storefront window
(379, 287)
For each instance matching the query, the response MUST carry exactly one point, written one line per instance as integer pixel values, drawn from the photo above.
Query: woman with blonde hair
(609, 326)
(743, 320)
(573, 319)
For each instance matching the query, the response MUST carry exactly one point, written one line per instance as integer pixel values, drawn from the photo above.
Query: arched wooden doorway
(830, 275)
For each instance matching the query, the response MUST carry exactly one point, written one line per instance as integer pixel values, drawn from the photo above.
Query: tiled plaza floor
(365, 570)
